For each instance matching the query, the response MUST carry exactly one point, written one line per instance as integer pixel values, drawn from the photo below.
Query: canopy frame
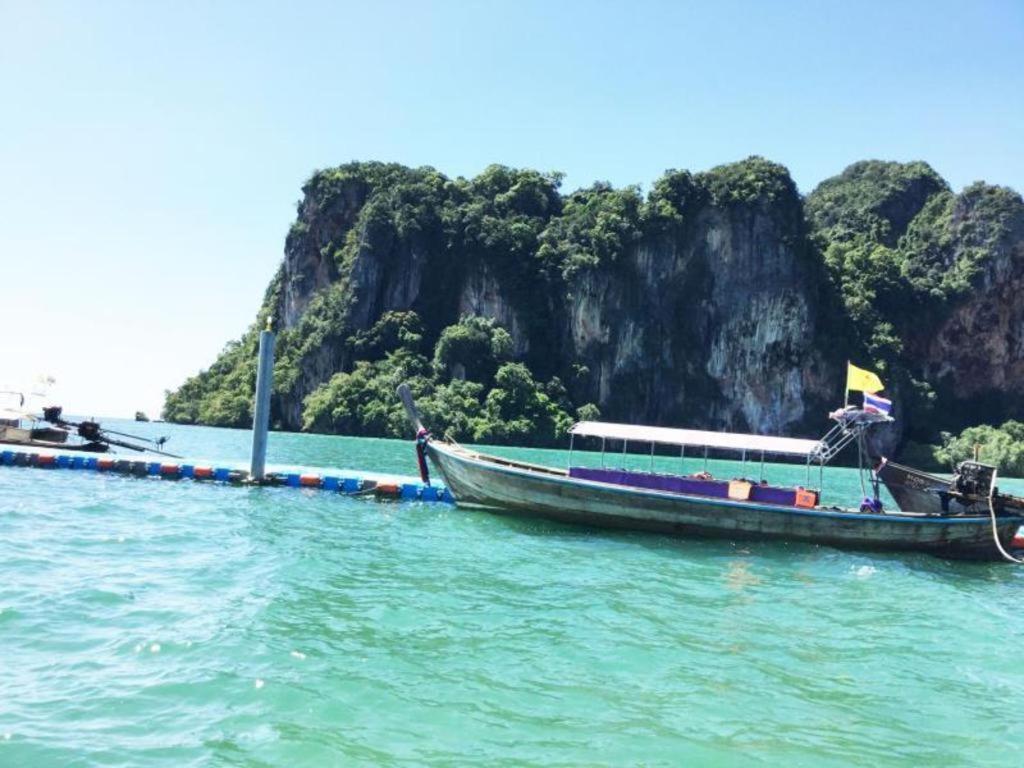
(729, 441)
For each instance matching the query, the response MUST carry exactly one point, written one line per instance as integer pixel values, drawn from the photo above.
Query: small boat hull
(922, 492)
(522, 489)
(26, 441)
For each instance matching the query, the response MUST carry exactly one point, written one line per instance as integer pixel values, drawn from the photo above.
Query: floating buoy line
(350, 483)
(347, 483)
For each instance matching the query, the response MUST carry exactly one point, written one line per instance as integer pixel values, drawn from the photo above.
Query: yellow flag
(859, 380)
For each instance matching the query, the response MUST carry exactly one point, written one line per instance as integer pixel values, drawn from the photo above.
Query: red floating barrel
(310, 481)
(202, 472)
(387, 489)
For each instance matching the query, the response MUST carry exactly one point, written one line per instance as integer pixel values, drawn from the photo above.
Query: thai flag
(876, 404)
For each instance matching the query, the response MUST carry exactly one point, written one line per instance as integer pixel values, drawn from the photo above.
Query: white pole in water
(261, 410)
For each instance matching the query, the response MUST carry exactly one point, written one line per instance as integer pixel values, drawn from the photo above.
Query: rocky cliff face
(710, 321)
(713, 323)
(935, 299)
(976, 351)
(720, 300)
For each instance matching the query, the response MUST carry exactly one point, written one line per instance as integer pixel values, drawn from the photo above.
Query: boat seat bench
(694, 486)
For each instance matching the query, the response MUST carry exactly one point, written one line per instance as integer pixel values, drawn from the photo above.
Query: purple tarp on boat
(693, 486)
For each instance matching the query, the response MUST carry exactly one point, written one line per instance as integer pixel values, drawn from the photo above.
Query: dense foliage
(596, 227)
(500, 403)
(859, 219)
(1001, 446)
(221, 395)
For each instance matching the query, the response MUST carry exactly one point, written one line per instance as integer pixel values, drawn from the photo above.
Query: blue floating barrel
(78, 462)
(293, 479)
(222, 473)
(447, 497)
(153, 468)
(92, 463)
(430, 493)
(188, 470)
(351, 485)
(7, 457)
(63, 462)
(331, 483)
(410, 492)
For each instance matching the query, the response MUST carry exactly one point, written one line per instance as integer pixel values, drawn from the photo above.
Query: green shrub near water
(503, 405)
(223, 394)
(1002, 446)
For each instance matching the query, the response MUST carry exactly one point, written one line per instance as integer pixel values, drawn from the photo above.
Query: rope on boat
(995, 529)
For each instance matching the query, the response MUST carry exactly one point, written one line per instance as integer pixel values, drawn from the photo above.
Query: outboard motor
(973, 479)
(89, 430)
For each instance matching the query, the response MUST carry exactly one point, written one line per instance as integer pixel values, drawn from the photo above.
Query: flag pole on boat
(846, 389)
(261, 408)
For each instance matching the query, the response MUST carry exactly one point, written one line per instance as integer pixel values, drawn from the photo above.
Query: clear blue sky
(151, 154)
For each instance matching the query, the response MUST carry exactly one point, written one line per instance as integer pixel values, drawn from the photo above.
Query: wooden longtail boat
(698, 505)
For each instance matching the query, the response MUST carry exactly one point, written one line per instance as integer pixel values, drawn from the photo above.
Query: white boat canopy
(790, 446)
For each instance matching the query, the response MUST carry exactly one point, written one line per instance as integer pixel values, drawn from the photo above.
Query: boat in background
(49, 429)
(698, 504)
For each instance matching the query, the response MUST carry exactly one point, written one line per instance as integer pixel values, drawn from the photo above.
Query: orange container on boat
(739, 490)
(806, 499)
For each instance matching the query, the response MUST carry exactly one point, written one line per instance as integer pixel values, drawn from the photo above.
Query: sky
(151, 154)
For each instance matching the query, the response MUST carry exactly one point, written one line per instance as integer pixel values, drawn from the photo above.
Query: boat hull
(511, 488)
(87, 447)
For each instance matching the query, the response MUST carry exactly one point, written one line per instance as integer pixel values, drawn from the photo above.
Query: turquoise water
(148, 623)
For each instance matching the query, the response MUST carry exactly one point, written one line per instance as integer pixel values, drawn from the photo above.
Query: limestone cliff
(931, 281)
(711, 321)
(720, 299)
(975, 352)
